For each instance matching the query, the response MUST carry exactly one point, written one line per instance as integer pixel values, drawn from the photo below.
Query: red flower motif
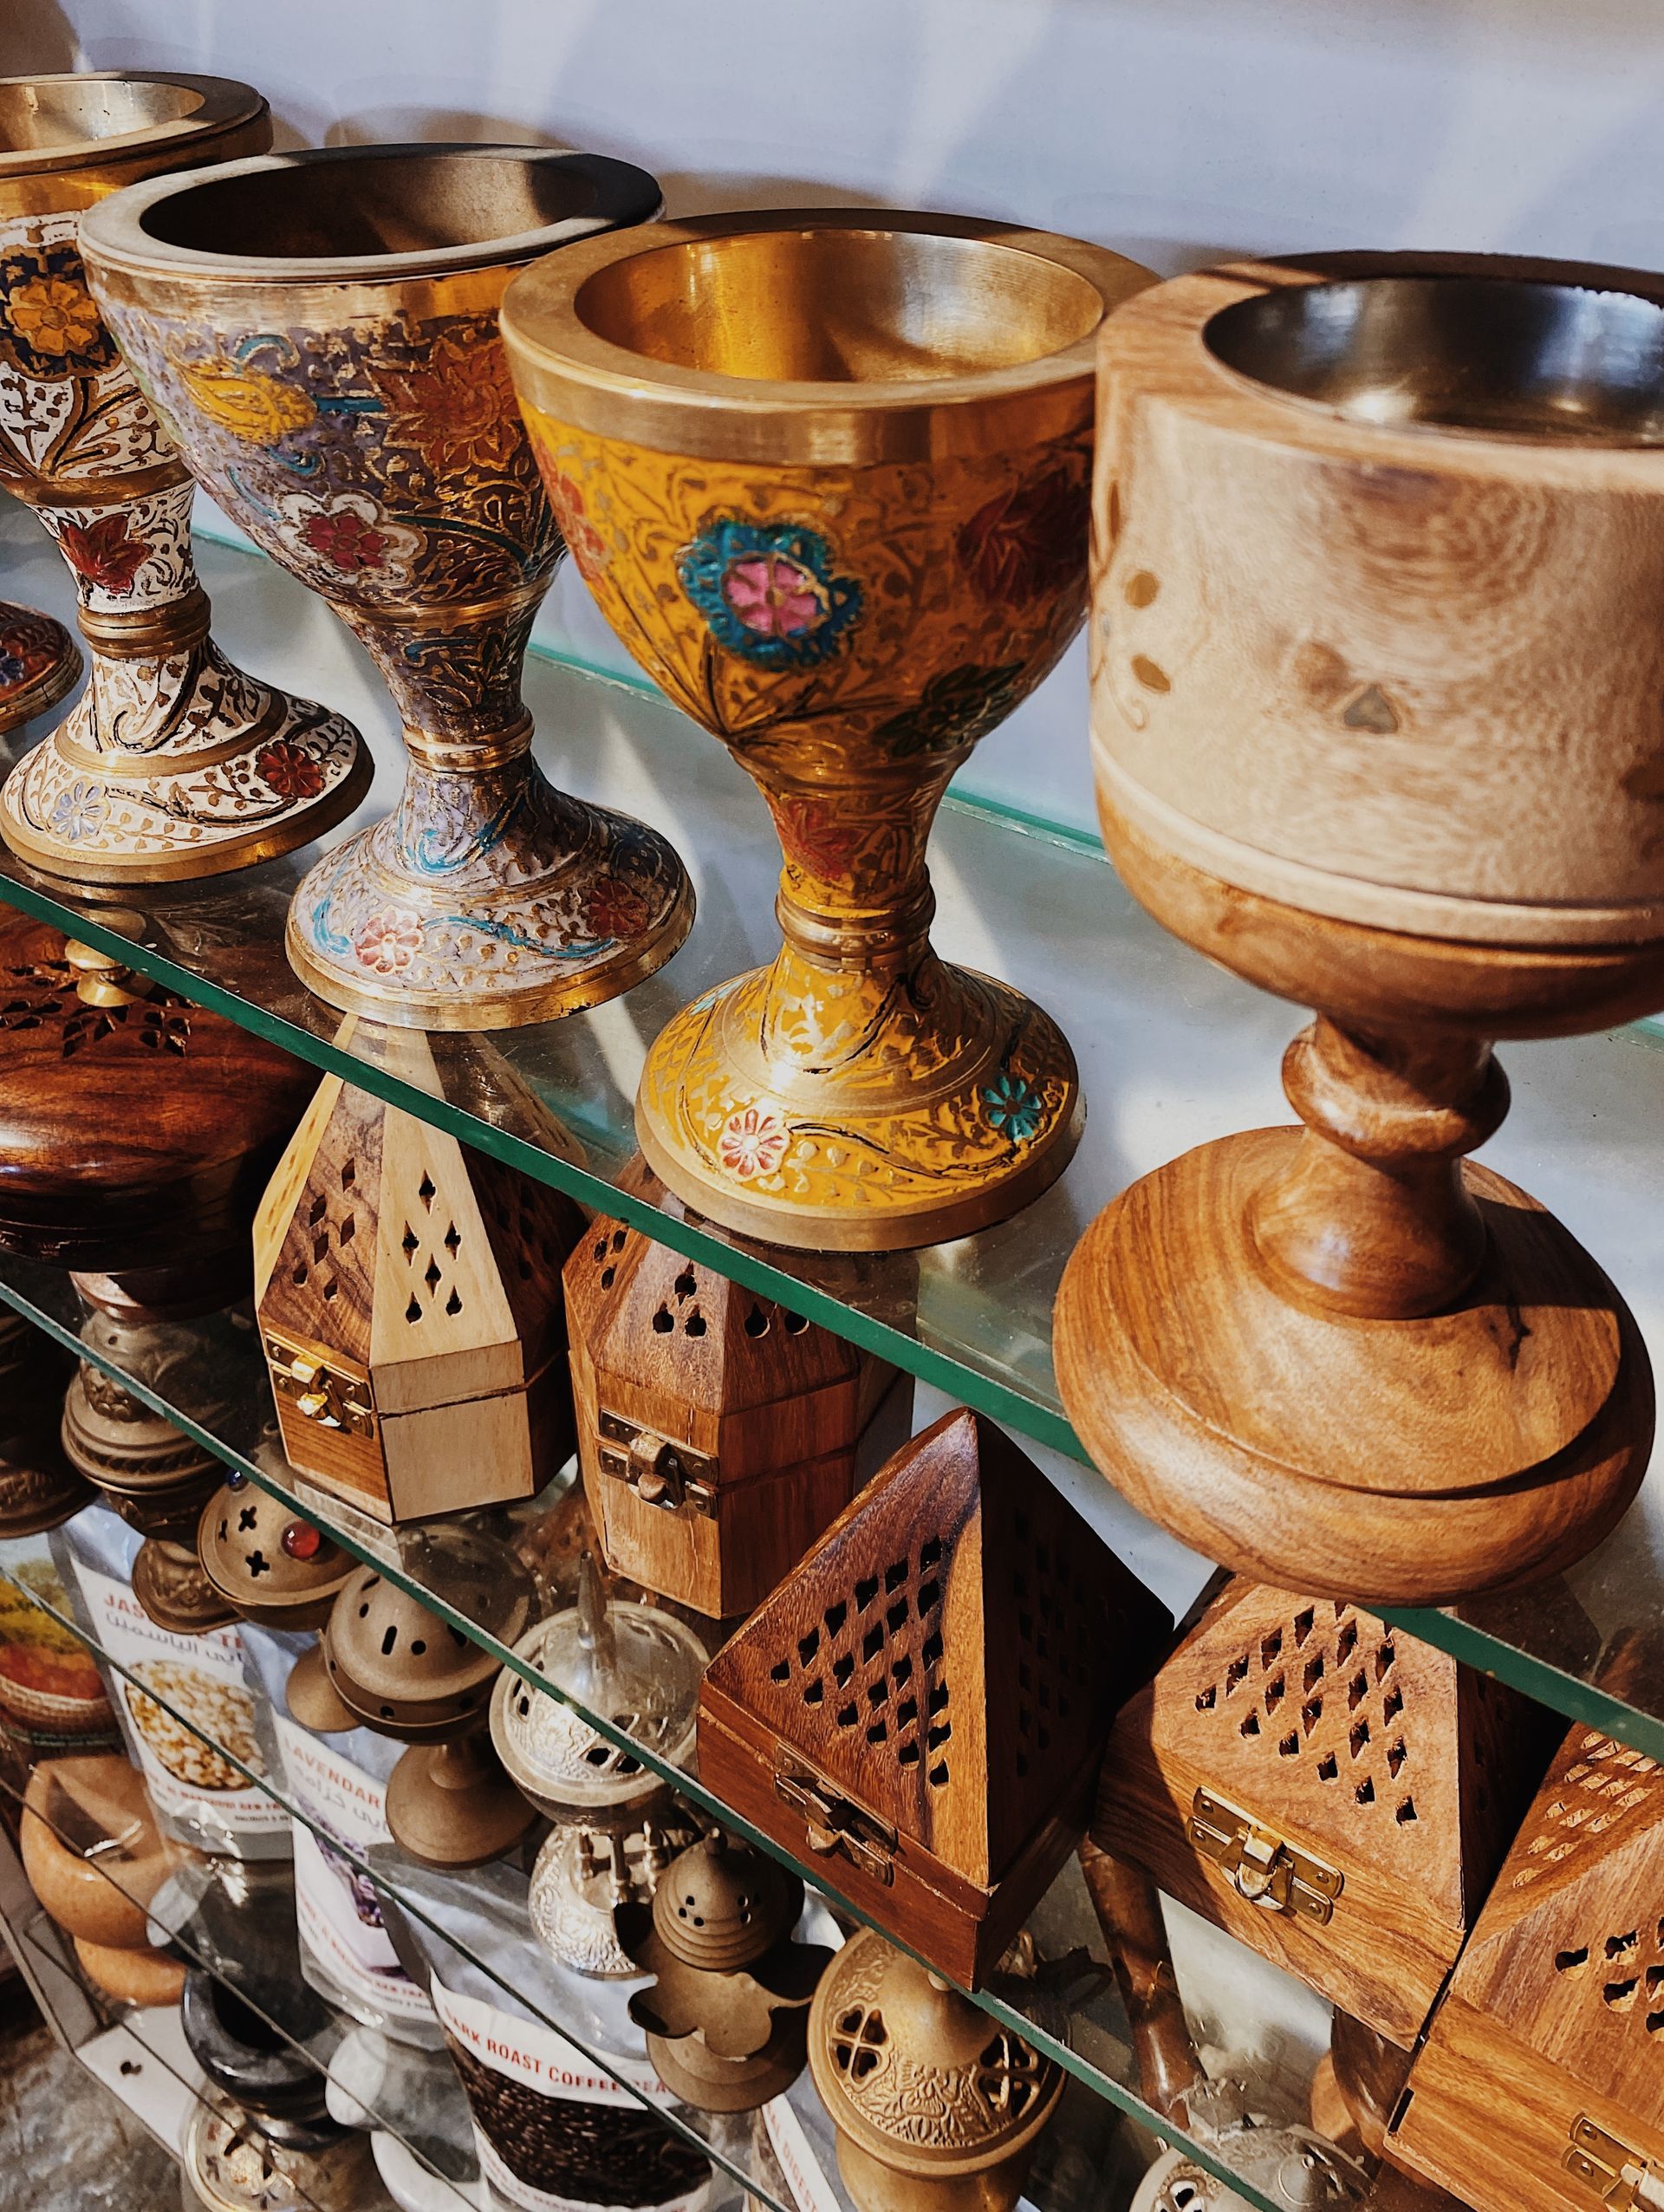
(753, 1142)
(457, 410)
(813, 837)
(106, 553)
(616, 908)
(1028, 543)
(289, 771)
(389, 941)
(345, 540)
(584, 541)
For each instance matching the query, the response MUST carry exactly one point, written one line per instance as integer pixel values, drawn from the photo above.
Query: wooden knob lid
(135, 1129)
(922, 2078)
(403, 1670)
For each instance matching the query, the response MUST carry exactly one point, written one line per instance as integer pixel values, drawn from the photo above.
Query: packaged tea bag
(200, 1796)
(557, 2133)
(338, 1783)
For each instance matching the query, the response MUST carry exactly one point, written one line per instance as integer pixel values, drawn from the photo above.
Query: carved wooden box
(719, 1433)
(409, 1298)
(1331, 1791)
(923, 1702)
(1547, 2052)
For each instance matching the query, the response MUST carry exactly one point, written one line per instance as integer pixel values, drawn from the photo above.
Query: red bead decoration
(302, 1541)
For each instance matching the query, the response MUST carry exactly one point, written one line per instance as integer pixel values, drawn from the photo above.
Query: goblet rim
(115, 242)
(566, 369)
(226, 104)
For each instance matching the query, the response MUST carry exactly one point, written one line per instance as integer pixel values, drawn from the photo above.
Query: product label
(556, 2133)
(52, 1697)
(200, 1676)
(335, 1904)
(805, 2178)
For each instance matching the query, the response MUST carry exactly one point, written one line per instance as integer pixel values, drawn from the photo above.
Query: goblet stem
(1372, 1217)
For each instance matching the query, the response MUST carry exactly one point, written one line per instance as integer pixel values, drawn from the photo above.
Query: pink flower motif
(346, 541)
(773, 595)
(752, 1143)
(388, 940)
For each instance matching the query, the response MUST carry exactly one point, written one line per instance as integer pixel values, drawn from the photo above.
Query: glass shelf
(1073, 2011)
(1173, 1052)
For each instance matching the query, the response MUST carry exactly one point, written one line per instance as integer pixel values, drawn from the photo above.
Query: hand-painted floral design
(79, 812)
(616, 908)
(753, 1142)
(1013, 1107)
(768, 592)
(584, 541)
(1031, 541)
(350, 534)
(458, 411)
(49, 315)
(286, 769)
(246, 401)
(105, 553)
(814, 835)
(957, 707)
(387, 941)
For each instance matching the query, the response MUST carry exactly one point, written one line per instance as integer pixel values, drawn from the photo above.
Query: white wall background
(1174, 130)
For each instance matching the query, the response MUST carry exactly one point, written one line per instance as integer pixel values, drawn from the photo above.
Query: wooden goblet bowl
(319, 330)
(826, 477)
(174, 763)
(1364, 543)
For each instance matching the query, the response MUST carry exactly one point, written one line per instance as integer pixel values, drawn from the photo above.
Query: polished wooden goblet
(1376, 701)
(174, 763)
(825, 474)
(319, 331)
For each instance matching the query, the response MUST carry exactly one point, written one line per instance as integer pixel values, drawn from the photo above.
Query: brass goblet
(320, 332)
(826, 474)
(174, 763)
(1375, 719)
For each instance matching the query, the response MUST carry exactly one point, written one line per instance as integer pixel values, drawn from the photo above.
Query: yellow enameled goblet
(827, 475)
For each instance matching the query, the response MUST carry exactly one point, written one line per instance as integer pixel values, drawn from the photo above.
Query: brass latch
(661, 1473)
(317, 1392)
(1262, 1867)
(835, 1824)
(1611, 2168)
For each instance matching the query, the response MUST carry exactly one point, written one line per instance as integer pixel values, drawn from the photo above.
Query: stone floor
(66, 2145)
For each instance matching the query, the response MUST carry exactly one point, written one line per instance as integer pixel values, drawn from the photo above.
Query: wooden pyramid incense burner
(409, 1298)
(1376, 708)
(719, 1432)
(923, 1702)
(1335, 1795)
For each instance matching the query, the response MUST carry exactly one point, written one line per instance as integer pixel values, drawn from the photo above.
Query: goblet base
(1406, 1462)
(40, 662)
(486, 902)
(447, 1826)
(39, 1491)
(902, 1114)
(215, 772)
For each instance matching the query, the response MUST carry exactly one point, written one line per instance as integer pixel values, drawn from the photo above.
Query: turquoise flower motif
(768, 592)
(80, 811)
(1014, 1107)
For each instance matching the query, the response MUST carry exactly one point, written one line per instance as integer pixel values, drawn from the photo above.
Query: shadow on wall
(38, 36)
(430, 126)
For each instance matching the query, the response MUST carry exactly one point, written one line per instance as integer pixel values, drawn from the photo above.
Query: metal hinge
(835, 1824)
(317, 1392)
(1261, 1867)
(1616, 2173)
(661, 1473)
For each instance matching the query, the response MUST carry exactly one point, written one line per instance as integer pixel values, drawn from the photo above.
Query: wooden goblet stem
(1372, 1218)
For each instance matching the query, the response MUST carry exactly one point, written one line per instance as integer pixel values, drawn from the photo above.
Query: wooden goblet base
(1393, 1461)
(451, 1805)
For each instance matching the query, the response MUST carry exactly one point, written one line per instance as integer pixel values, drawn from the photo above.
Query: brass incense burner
(826, 475)
(319, 330)
(275, 1569)
(174, 763)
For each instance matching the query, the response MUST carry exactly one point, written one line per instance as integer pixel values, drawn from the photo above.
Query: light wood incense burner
(826, 477)
(174, 763)
(319, 331)
(1380, 551)
(409, 1298)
